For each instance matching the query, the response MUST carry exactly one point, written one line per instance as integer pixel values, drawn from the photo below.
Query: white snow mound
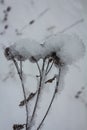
(69, 48)
(27, 49)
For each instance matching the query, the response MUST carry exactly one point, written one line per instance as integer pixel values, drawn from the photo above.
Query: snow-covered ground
(49, 17)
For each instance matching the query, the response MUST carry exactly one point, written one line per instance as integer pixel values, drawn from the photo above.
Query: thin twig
(38, 68)
(54, 94)
(66, 28)
(20, 73)
(42, 13)
(33, 20)
(49, 69)
(72, 25)
(38, 95)
(21, 76)
(47, 66)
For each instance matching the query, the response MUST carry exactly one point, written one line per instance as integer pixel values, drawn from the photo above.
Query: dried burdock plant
(56, 52)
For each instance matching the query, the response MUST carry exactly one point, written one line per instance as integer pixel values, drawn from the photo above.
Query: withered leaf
(18, 126)
(50, 80)
(22, 103)
(31, 96)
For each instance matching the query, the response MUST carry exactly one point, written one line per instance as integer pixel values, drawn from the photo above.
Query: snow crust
(68, 48)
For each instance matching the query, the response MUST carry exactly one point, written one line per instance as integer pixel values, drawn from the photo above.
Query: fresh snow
(68, 48)
(27, 48)
(67, 16)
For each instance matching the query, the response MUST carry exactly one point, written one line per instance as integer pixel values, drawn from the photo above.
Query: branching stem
(38, 68)
(26, 105)
(20, 73)
(38, 95)
(49, 68)
(53, 97)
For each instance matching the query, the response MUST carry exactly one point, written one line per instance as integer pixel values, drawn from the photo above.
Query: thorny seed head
(7, 53)
(56, 59)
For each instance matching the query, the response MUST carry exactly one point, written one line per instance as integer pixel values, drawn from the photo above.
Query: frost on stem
(60, 50)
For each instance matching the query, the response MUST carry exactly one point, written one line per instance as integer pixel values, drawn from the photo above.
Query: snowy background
(49, 17)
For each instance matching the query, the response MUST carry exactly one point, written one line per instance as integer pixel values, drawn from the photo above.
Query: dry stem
(53, 97)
